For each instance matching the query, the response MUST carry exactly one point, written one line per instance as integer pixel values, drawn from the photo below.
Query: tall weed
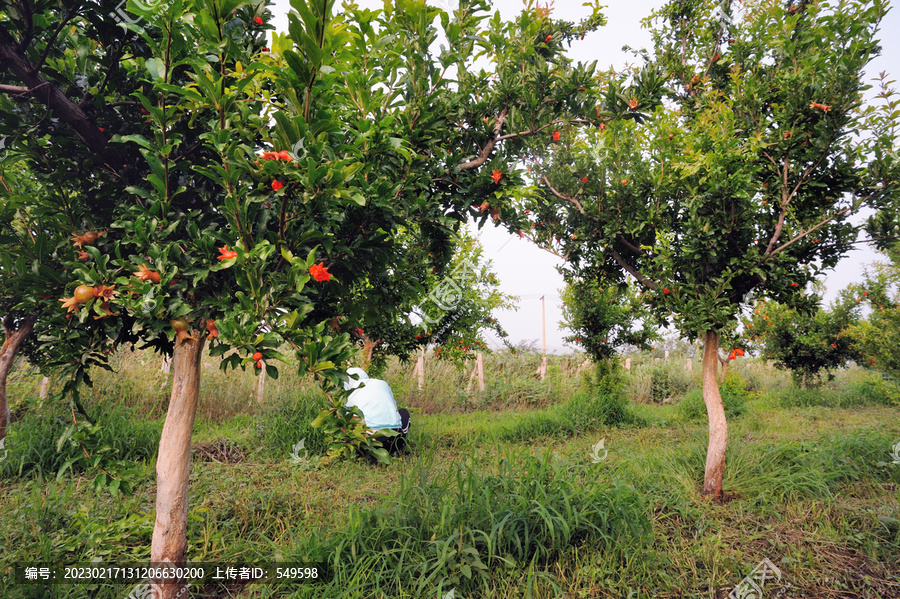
(457, 533)
(286, 422)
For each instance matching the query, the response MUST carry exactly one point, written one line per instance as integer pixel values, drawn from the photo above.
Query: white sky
(529, 272)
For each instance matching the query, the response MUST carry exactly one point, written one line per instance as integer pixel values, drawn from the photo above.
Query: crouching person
(375, 400)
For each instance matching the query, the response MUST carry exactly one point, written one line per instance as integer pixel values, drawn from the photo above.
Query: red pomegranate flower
(556, 136)
(258, 20)
(319, 272)
(496, 175)
(276, 185)
(226, 254)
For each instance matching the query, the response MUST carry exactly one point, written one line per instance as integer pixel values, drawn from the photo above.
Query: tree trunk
(368, 348)
(803, 381)
(472, 379)
(261, 386)
(718, 427)
(479, 365)
(420, 369)
(11, 344)
(173, 464)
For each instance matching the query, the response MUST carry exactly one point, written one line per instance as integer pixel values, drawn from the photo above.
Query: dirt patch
(221, 451)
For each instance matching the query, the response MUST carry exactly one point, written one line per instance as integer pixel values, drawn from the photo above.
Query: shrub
(658, 381)
(32, 442)
(589, 411)
(603, 401)
(760, 375)
(874, 389)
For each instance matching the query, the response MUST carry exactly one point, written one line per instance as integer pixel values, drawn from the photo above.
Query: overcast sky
(529, 272)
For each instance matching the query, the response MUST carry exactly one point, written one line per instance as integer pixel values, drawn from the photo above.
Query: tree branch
(37, 66)
(14, 89)
(785, 200)
(569, 199)
(621, 239)
(632, 271)
(50, 95)
(804, 234)
(489, 146)
(787, 197)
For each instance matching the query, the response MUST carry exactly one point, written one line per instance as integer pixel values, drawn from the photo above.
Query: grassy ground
(503, 494)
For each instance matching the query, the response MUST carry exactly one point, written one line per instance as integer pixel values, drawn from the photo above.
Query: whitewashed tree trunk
(479, 367)
(542, 369)
(472, 379)
(11, 345)
(173, 464)
(261, 387)
(420, 369)
(587, 362)
(718, 426)
(45, 389)
(628, 364)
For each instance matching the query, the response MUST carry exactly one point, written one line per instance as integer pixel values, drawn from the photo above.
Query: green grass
(501, 495)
